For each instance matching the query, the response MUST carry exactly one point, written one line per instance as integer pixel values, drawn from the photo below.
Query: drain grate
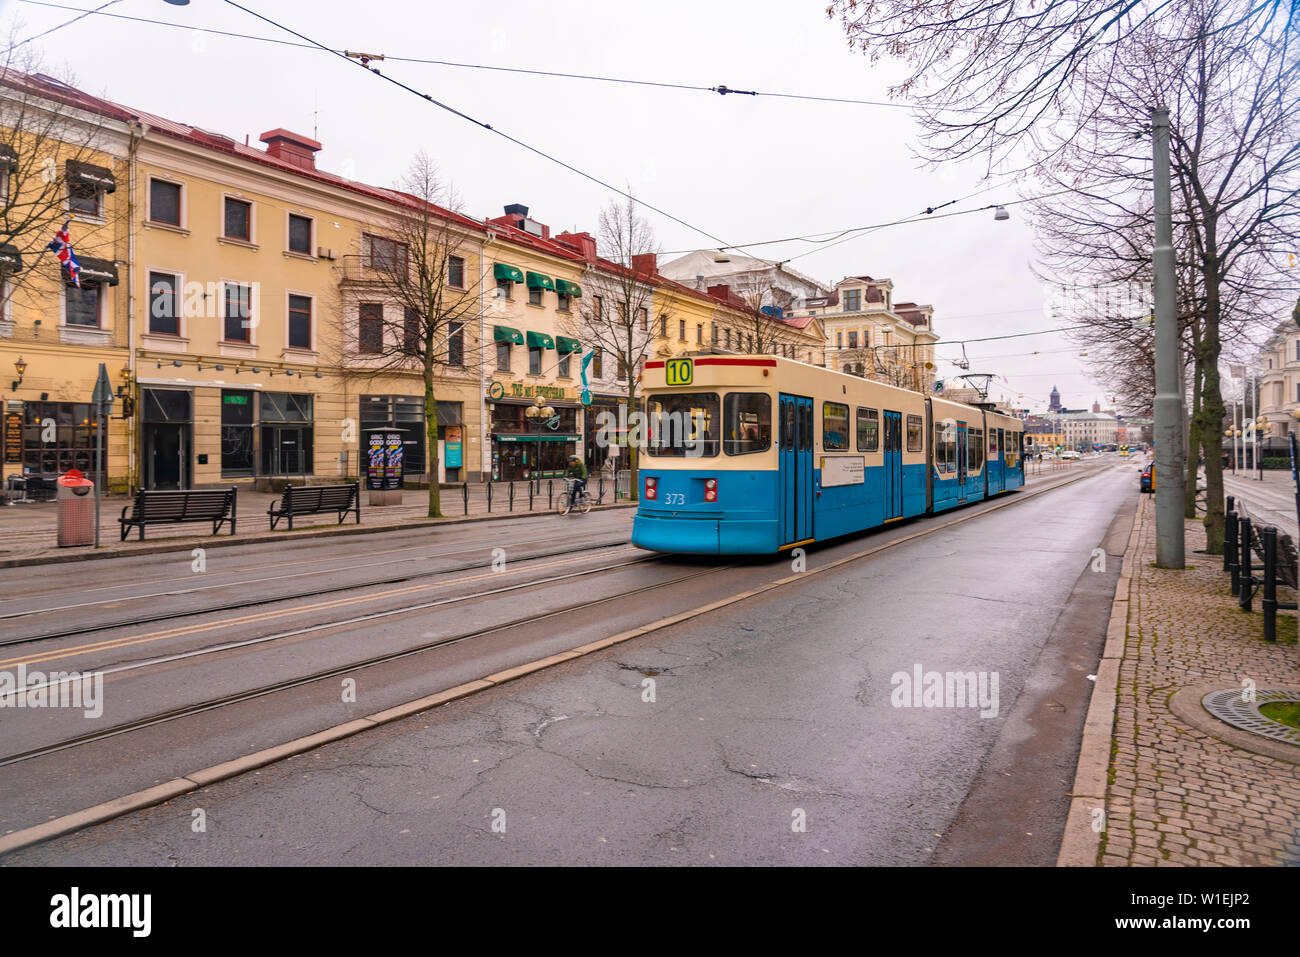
(1228, 707)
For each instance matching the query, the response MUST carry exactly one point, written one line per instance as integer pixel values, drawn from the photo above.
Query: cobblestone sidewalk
(1178, 795)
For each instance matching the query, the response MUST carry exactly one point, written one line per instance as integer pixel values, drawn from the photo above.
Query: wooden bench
(317, 500)
(170, 508)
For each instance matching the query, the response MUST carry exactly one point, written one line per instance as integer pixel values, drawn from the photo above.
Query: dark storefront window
(406, 412)
(58, 436)
(286, 432)
(236, 433)
(525, 448)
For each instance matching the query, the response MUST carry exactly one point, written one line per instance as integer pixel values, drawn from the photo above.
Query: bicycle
(566, 502)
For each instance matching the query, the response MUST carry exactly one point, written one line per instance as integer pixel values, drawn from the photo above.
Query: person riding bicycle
(578, 472)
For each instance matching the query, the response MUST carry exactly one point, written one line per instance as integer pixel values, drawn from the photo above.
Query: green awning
(565, 345)
(502, 271)
(540, 340)
(11, 259)
(506, 334)
(537, 281)
(566, 288)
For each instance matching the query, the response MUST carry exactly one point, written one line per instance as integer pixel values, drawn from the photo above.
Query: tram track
(344, 669)
(256, 602)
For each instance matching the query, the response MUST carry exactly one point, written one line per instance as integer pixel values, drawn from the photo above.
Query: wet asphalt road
(767, 735)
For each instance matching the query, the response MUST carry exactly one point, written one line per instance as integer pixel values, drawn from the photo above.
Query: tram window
(914, 427)
(993, 443)
(1012, 453)
(975, 442)
(748, 418)
(806, 427)
(945, 445)
(787, 426)
(835, 427)
(868, 430)
(683, 425)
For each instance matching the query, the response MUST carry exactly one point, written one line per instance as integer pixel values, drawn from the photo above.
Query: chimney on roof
(517, 209)
(584, 243)
(292, 148)
(646, 264)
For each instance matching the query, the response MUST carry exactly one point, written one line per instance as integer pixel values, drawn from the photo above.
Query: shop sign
(521, 390)
(453, 447)
(13, 437)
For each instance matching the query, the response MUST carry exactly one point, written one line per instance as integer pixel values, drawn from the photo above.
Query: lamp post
(1168, 405)
(538, 412)
(1261, 423)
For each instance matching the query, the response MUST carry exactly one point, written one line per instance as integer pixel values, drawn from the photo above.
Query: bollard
(530, 496)
(1230, 548)
(1269, 602)
(489, 488)
(512, 496)
(1244, 571)
(602, 489)
(550, 494)
(465, 495)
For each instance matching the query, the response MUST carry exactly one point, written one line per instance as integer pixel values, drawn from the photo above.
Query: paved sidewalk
(29, 531)
(1177, 794)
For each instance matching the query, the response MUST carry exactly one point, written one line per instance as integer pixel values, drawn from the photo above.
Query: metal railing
(1277, 553)
(534, 495)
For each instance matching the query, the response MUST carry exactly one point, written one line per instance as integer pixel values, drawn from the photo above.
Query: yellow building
(56, 332)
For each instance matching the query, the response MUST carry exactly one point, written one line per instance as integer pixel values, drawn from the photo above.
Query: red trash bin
(76, 505)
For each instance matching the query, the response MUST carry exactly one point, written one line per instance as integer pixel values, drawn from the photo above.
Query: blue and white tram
(756, 454)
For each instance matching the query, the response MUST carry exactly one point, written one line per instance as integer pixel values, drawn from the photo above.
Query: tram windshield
(685, 424)
(748, 417)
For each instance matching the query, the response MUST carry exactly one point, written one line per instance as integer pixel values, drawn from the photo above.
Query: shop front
(533, 446)
(407, 411)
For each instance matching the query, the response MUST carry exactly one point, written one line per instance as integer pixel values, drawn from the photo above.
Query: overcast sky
(742, 168)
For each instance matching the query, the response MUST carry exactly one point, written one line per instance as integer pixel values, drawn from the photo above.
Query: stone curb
(261, 538)
(1080, 844)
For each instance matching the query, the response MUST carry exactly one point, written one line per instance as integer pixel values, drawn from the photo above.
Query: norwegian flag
(61, 244)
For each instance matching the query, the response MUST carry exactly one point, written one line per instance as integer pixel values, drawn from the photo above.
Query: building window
(562, 302)
(534, 361)
(164, 316)
(853, 339)
(1297, 350)
(285, 421)
(74, 444)
(563, 370)
(728, 332)
(82, 305)
(387, 255)
(681, 330)
(299, 322)
(370, 328)
(299, 234)
(534, 296)
(456, 344)
(238, 313)
(699, 333)
(663, 327)
(164, 202)
(412, 334)
(596, 365)
(598, 307)
(85, 198)
(503, 357)
(239, 220)
(504, 288)
(839, 340)
(852, 300)
(713, 331)
(456, 272)
(236, 432)
(644, 315)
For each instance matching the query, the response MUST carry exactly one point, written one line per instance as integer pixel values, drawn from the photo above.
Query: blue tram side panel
(809, 476)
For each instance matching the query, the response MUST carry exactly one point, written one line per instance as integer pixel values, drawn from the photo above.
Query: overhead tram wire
(721, 89)
(83, 14)
(479, 123)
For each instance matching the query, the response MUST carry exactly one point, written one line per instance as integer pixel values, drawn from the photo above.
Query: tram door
(997, 478)
(962, 461)
(893, 464)
(795, 492)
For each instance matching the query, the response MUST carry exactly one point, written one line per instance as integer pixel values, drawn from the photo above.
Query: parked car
(1148, 481)
(1070, 454)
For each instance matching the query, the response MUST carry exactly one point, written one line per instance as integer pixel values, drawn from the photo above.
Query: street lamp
(538, 412)
(21, 367)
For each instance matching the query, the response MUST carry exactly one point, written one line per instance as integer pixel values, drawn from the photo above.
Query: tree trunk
(431, 443)
(1193, 440)
(1212, 410)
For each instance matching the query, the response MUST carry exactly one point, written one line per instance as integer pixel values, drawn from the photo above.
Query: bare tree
(52, 151)
(410, 298)
(760, 332)
(617, 316)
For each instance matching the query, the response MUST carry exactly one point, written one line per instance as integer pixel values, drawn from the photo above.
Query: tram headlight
(710, 490)
(652, 488)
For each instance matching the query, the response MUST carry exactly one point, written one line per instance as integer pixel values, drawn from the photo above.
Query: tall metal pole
(1171, 479)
